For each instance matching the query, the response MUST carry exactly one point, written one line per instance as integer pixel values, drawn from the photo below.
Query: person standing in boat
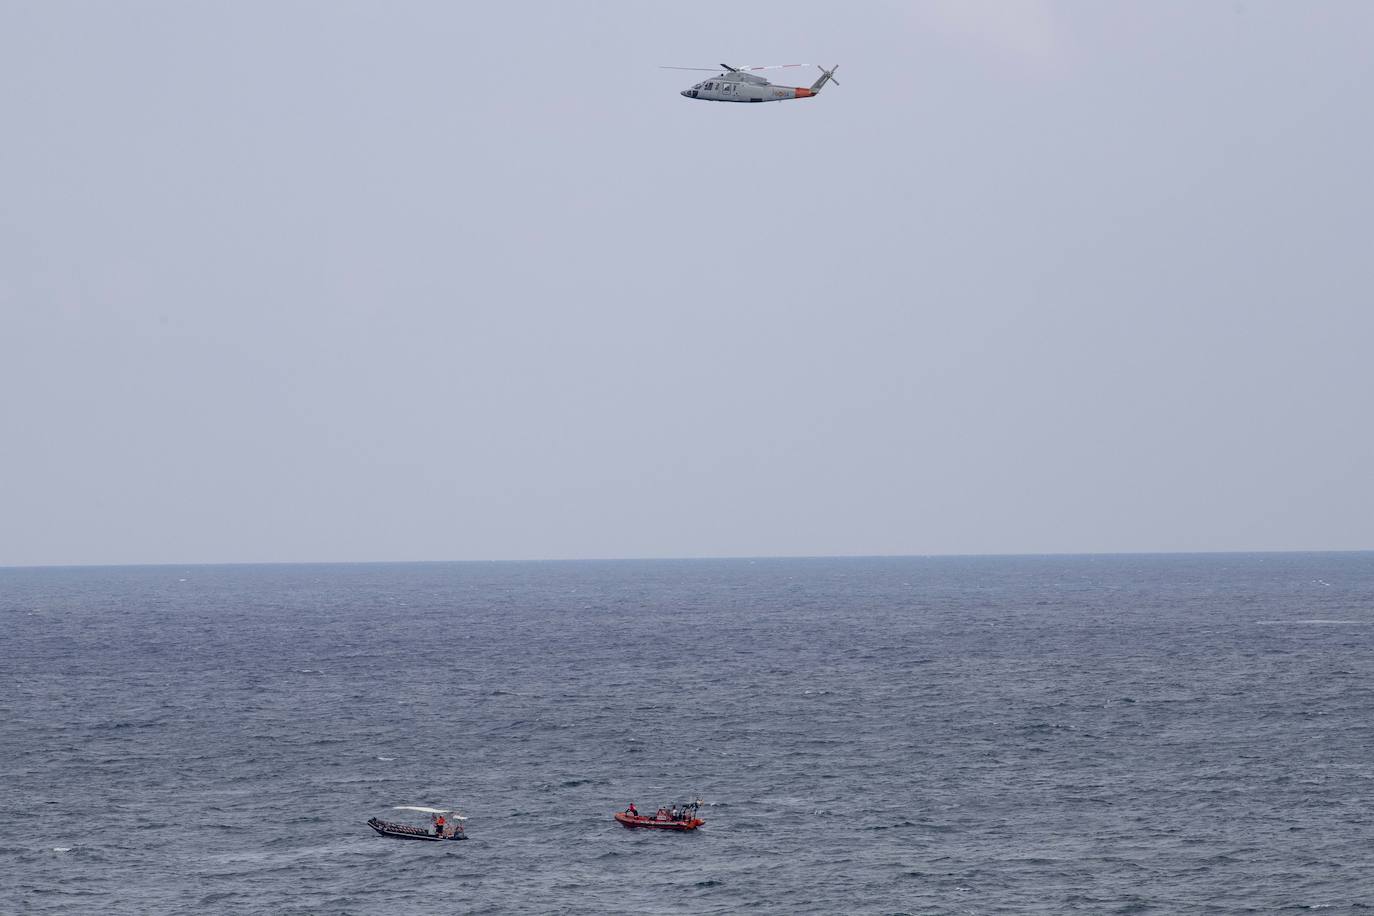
(632, 811)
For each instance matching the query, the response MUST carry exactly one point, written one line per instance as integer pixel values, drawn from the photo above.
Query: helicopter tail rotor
(827, 76)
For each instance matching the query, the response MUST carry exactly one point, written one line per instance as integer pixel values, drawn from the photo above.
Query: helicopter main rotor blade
(737, 69)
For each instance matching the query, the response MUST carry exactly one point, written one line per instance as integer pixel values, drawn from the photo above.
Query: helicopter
(739, 84)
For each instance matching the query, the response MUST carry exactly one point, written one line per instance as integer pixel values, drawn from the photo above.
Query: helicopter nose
(684, 93)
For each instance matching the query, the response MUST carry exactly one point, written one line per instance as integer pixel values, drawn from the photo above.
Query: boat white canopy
(424, 810)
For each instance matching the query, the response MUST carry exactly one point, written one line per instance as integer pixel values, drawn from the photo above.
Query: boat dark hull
(406, 832)
(655, 824)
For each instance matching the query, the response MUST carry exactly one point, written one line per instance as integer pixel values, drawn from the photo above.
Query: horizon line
(696, 559)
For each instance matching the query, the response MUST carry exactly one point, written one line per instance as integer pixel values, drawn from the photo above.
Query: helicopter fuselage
(727, 88)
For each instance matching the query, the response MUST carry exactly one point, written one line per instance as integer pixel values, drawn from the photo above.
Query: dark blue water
(1162, 734)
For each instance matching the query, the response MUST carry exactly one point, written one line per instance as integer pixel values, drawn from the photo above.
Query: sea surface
(1123, 734)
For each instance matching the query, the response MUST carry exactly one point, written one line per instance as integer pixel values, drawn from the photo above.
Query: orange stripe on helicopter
(804, 93)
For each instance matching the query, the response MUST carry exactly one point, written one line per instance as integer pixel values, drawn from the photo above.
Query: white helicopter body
(739, 84)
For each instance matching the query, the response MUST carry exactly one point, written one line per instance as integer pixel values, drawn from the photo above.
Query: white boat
(444, 824)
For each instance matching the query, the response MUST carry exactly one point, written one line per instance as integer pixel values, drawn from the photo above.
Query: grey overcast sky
(297, 281)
